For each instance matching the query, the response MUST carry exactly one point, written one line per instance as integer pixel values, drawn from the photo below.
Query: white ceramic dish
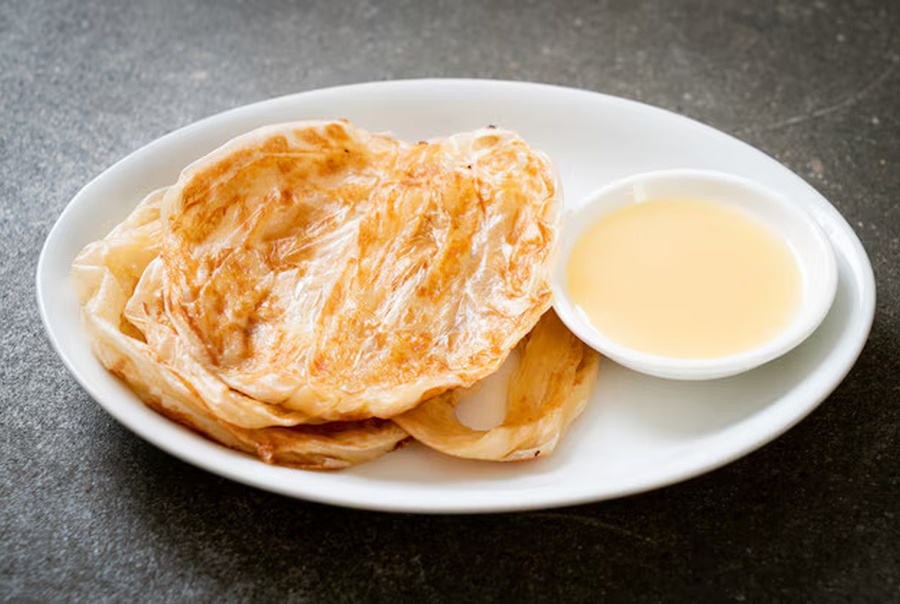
(793, 224)
(638, 433)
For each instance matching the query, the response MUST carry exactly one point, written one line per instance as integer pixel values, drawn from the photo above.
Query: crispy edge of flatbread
(547, 390)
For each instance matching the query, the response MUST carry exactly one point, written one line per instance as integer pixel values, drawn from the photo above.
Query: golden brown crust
(338, 275)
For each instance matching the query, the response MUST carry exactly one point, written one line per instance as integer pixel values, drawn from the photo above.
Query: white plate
(638, 433)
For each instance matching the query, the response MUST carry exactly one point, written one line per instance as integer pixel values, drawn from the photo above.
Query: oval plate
(638, 432)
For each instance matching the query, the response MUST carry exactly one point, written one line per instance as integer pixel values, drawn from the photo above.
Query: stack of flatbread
(317, 295)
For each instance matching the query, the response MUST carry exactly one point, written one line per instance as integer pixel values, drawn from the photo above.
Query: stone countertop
(90, 512)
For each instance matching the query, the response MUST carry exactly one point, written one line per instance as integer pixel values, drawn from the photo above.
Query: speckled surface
(89, 512)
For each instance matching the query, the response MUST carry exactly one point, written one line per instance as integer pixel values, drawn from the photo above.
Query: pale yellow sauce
(684, 278)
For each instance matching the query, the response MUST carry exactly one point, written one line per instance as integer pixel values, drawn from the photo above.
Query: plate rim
(198, 455)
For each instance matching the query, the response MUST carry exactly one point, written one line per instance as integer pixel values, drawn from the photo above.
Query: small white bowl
(804, 237)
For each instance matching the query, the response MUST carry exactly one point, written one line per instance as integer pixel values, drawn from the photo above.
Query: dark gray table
(89, 511)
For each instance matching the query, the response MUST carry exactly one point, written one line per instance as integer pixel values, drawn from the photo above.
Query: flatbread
(306, 282)
(333, 274)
